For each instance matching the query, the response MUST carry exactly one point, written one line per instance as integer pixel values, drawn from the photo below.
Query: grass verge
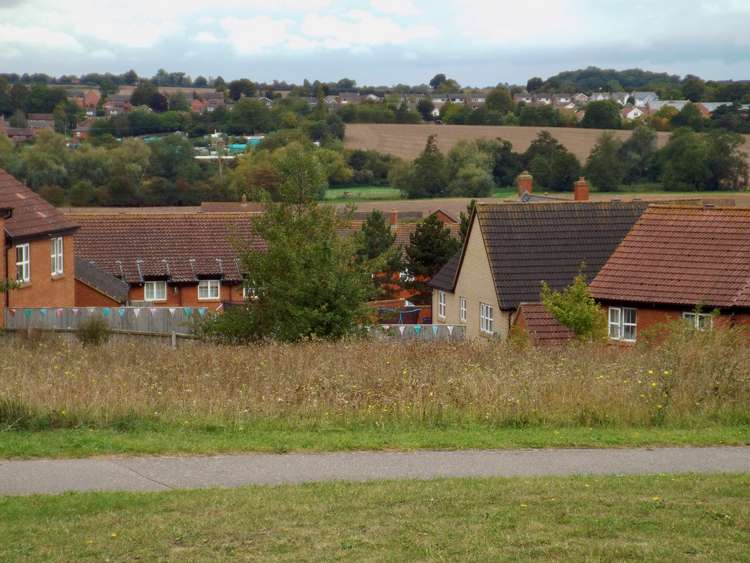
(583, 518)
(160, 439)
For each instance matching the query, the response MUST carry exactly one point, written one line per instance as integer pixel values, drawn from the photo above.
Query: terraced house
(511, 248)
(38, 258)
(174, 260)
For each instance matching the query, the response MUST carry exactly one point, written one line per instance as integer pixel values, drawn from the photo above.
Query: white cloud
(250, 36)
(103, 54)
(207, 37)
(402, 8)
(362, 29)
(37, 37)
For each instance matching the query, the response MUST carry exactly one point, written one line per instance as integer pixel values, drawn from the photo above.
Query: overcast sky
(376, 41)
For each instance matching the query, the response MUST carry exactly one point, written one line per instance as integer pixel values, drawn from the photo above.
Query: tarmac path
(24, 477)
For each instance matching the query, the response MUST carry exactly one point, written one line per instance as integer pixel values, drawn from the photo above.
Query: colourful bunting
(187, 311)
(435, 329)
(136, 312)
(172, 311)
(450, 330)
(106, 311)
(75, 310)
(401, 329)
(43, 312)
(27, 313)
(417, 329)
(202, 311)
(121, 312)
(59, 313)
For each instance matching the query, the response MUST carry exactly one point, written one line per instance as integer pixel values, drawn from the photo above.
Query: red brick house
(673, 261)
(38, 251)
(170, 259)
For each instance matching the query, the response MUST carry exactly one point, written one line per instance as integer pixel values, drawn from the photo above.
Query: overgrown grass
(654, 518)
(690, 380)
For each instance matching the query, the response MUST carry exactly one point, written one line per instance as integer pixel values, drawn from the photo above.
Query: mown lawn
(674, 518)
(362, 193)
(163, 438)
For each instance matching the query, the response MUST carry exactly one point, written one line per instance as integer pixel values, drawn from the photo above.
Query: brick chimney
(394, 219)
(581, 190)
(525, 182)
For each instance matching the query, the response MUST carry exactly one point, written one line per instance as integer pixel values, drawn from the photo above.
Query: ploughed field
(407, 141)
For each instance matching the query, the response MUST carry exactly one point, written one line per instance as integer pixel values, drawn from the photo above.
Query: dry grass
(407, 141)
(696, 379)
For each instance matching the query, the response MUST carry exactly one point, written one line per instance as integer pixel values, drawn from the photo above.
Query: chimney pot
(581, 190)
(525, 183)
(394, 219)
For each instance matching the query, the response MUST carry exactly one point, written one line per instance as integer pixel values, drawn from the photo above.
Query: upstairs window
(441, 304)
(56, 255)
(209, 290)
(23, 263)
(155, 291)
(622, 323)
(462, 309)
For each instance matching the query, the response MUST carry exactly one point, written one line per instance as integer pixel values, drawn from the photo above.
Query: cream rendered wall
(476, 285)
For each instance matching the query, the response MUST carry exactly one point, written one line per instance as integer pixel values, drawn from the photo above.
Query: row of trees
(689, 161)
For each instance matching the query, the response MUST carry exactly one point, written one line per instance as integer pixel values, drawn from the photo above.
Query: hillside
(407, 141)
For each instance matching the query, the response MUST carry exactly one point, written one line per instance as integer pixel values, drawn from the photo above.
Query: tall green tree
(428, 177)
(638, 155)
(605, 168)
(431, 245)
(425, 106)
(307, 281)
(499, 99)
(604, 114)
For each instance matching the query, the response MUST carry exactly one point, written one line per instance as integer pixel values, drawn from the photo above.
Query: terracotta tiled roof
(682, 256)
(176, 247)
(541, 326)
(530, 243)
(32, 215)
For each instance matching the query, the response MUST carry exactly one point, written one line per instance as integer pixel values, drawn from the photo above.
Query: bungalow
(674, 261)
(511, 248)
(631, 113)
(172, 259)
(39, 121)
(643, 99)
(38, 249)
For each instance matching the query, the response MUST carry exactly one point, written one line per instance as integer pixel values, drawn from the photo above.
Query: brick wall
(186, 295)
(44, 290)
(87, 296)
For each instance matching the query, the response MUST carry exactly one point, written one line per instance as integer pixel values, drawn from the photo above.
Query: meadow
(58, 398)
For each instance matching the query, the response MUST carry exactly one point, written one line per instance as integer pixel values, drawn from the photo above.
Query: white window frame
(486, 319)
(462, 309)
(619, 325)
(56, 255)
(696, 320)
(441, 304)
(248, 292)
(207, 286)
(158, 291)
(23, 263)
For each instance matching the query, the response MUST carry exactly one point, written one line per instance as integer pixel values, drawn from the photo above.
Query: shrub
(575, 308)
(93, 332)
(14, 414)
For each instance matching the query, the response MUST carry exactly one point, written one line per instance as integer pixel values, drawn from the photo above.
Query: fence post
(174, 339)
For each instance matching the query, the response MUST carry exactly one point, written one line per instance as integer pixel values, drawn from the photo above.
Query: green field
(362, 193)
(674, 518)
